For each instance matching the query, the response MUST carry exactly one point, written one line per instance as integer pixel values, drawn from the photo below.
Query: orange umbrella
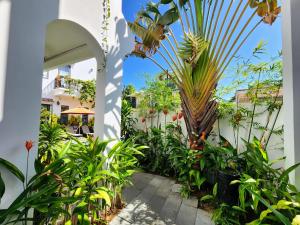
(79, 110)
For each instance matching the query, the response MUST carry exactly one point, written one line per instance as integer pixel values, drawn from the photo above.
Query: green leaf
(101, 195)
(165, 1)
(287, 172)
(206, 197)
(152, 7)
(215, 189)
(2, 187)
(170, 17)
(13, 169)
(84, 220)
(239, 209)
(279, 215)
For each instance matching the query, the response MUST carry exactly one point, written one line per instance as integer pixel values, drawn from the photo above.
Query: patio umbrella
(79, 110)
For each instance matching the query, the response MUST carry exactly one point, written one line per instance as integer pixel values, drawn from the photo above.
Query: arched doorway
(67, 43)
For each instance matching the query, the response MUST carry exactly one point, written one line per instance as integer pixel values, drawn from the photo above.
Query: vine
(86, 89)
(105, 24)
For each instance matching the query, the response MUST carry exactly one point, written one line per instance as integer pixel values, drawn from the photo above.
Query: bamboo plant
(212, 33)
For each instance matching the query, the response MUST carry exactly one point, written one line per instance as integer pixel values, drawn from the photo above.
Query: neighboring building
(56, 96)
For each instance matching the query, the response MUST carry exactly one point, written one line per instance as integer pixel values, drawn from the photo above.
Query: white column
(4, 31)
(109, 81)
(108, 100)
(21, 72)
(291, 84)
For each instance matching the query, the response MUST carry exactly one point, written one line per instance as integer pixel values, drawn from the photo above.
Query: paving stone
(119, 221)
(141, 180)
(130, 193)
(165, 188)
(186, 215)
(156, 200)
(203, 218)
(171, 208)
(192, 201)
(144, 215)
(176, 188)
(129, 211)
(156, 203)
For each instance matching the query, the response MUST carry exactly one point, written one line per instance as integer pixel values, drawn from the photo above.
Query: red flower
(165, 111)
(180, 115)
(28, 145)
(174, 117)
(151, 111)
(143, 120)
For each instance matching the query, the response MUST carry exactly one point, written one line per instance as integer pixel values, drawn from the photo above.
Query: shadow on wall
(22, 83)
(114, 73)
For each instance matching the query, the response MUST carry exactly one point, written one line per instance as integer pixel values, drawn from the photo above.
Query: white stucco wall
(275, 146)
(22, 83)
(5, 6)
(291, 82)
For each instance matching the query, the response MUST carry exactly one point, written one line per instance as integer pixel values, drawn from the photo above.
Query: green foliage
(88, 92)
(47, 117)
(12, 169)
(86, 89)
(128, 91)
(127, 119)
(159, 95)
(80, 181)
(168, 155)
(265, 194)
(51, 140)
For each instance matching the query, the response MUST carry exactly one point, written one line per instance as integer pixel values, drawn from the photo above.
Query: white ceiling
(66, 43)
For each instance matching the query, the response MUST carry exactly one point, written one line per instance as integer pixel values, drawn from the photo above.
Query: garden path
(155, 200)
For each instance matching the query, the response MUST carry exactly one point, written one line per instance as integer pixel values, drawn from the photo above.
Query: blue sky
(135, 68)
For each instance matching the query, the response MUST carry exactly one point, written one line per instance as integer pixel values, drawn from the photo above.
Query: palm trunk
(198, 121)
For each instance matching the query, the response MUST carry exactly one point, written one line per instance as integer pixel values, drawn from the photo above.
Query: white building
(56, 95)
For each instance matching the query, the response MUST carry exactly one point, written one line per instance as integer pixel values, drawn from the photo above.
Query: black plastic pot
(211, 176)
(228, 193)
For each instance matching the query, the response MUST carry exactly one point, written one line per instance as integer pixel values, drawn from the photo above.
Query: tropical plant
(159, 96)
(256, 89)
(265, 194)
(51, 139)
(196, 63)
(48, 117)
(79, 186)
(13, 170)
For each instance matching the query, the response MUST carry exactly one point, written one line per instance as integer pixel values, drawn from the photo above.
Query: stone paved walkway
(155, 200)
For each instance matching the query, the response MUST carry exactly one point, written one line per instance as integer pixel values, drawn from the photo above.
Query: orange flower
(174, 117)
(203, 134)
(180, 115)
(28, 145)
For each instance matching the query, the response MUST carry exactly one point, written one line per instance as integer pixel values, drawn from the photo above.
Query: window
(132, 101)
(47, 107)
(85, 119)
(64, 71)
(64, 117)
